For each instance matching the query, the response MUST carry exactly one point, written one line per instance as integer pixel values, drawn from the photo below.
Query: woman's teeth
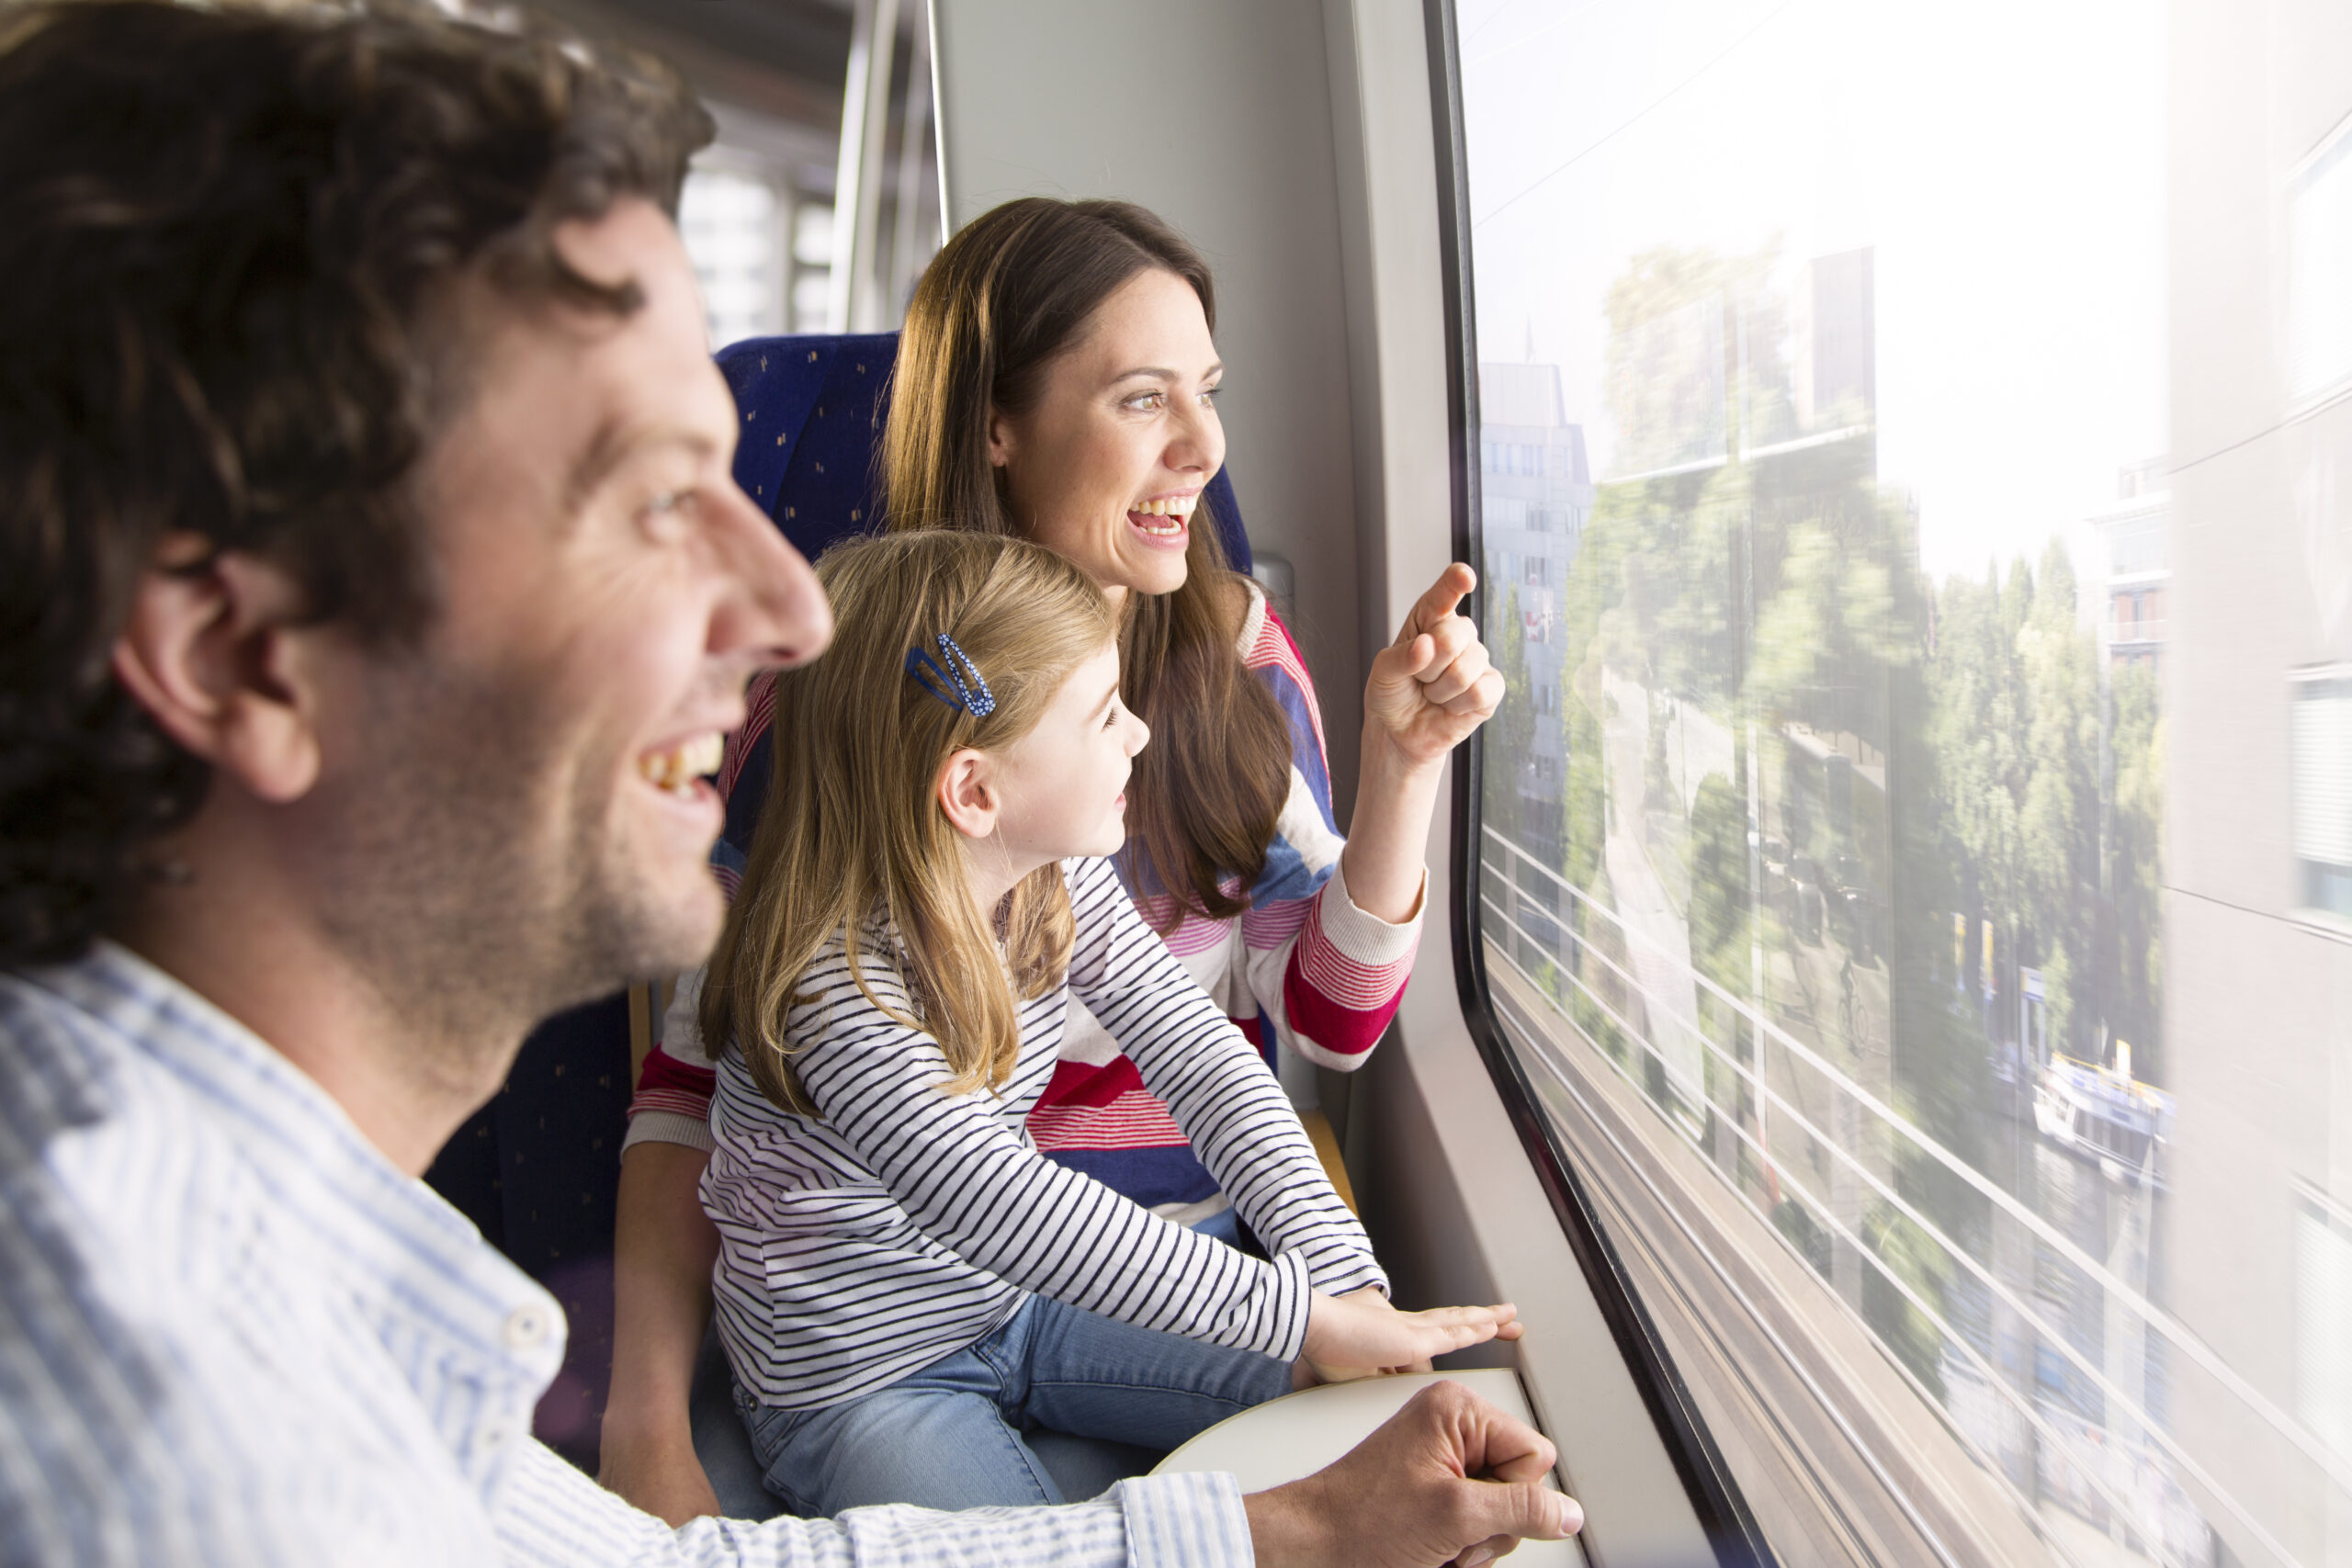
(1176, 507)
(677, 769)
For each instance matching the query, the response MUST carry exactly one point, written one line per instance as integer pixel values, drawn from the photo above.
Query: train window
(1915, 856)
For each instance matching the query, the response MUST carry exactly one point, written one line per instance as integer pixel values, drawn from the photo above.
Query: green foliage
(1832, 621)
(2062, 855)
(2133, 962)
(1584, 805)
(1514, 724)
(1669, 306)
(1792, 1220)
(1913, 1257)
(2058, 818)
(1719, 894)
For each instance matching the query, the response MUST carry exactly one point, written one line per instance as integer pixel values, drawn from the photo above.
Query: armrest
(1283, 1439)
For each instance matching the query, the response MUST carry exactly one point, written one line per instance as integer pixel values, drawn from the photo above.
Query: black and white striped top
(908, 1223)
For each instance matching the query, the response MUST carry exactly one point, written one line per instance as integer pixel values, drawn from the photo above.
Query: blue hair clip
(948, 684)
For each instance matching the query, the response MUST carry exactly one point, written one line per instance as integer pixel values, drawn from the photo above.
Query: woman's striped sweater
(902, 1224)
(1303, 967)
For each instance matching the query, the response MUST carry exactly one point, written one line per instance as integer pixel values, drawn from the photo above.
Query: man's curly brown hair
(231, 239)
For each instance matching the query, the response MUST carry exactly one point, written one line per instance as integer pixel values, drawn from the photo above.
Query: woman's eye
(1148, 402)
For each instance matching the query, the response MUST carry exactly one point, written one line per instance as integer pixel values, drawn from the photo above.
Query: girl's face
(1106, 469)
(1061, 789)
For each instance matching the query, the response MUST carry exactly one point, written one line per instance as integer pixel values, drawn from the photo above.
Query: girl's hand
(1360, 1335)
(1433, 686)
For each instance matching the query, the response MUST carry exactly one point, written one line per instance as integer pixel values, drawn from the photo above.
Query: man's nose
(773, 611)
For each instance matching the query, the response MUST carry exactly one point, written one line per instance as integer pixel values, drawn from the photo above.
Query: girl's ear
(966, 792)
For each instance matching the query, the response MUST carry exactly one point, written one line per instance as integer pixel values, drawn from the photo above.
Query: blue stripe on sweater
(1152, 1177)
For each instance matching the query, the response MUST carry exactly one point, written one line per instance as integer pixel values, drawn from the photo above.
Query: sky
(2004, 159)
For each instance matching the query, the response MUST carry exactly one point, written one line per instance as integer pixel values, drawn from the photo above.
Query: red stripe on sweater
(1342, 1031)
(1268, 927)
(1317, 961)
(1139, 1120)
(1293, 663)
(762, 700)
(1082, 1083)
(693, 1107)
(664, 1074)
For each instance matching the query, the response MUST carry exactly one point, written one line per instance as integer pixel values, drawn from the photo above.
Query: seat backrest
(812, 411)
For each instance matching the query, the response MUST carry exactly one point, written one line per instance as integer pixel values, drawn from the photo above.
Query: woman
(1056, 379)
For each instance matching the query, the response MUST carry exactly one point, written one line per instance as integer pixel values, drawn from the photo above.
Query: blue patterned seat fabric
(537, 1168)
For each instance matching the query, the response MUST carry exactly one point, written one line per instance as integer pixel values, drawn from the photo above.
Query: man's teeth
(1179, 507)
(676, 768)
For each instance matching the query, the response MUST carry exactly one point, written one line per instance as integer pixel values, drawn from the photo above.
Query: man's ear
(999, 438)
(967, 794)
(216, 652)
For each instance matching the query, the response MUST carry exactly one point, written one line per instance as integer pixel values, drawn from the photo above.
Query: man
(371, 589)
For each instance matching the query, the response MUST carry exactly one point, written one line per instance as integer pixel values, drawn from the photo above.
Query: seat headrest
(812, 410)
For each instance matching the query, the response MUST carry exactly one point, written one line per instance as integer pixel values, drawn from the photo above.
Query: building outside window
(1536, 492)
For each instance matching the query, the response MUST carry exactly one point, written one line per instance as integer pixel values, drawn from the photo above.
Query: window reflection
(1917, 843)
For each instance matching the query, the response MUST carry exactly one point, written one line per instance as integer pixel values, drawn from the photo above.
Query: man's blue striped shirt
(231, 1333)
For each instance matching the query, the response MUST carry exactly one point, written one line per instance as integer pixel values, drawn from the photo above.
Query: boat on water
(2104, 1115)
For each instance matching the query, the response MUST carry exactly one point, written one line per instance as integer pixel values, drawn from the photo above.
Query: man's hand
(1360, 1333)
(1432, 687)
(663, 1477)
(1447, 1479)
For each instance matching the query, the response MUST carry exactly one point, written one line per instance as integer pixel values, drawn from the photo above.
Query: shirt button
(527, 1326)
(496, 1435)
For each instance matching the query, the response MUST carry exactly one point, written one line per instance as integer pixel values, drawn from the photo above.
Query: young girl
(904, 1284)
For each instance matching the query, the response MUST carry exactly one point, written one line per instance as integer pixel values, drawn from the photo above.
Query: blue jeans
(949, 1435)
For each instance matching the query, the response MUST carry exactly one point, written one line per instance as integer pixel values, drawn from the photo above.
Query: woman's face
(1107, 467)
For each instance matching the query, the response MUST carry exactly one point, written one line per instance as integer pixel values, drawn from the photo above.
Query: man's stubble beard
(475, 875)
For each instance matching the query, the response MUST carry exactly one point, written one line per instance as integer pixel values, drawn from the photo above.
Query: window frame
(1714, 1495)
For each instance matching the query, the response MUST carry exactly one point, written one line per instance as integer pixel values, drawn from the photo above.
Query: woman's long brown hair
(1008, 296)
(851, 839)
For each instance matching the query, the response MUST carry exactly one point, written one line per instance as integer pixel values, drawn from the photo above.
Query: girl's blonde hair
(851, 838)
